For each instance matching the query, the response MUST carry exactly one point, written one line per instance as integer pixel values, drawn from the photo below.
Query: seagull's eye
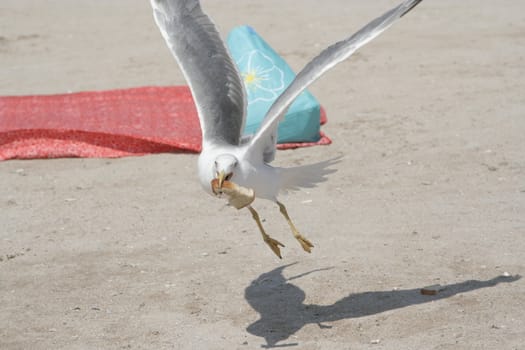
(228, 177)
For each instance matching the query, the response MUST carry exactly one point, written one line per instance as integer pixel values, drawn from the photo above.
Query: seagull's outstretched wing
(207, 66)
(265, 137)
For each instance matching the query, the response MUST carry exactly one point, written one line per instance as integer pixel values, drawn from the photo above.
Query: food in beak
(238, 196)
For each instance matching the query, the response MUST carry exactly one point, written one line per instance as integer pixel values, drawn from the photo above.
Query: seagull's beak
(221, 176)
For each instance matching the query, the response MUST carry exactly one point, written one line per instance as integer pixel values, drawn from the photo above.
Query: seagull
(220, 97)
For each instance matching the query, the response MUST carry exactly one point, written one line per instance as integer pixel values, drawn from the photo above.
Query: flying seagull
(227, 157)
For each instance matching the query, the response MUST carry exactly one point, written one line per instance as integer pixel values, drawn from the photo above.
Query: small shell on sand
(432, 290)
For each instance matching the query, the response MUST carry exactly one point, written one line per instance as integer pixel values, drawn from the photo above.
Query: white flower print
(263, 80)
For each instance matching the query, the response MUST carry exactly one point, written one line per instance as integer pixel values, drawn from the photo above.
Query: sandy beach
(130, 253)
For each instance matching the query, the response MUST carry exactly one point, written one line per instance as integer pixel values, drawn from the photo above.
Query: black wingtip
(414, 4)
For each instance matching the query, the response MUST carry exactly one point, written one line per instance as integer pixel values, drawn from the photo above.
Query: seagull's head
(224, 167)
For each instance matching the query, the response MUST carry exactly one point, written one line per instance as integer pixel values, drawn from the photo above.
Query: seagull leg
(272, 243)
(302, 240)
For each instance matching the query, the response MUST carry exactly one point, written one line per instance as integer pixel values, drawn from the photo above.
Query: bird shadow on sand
(283, 313)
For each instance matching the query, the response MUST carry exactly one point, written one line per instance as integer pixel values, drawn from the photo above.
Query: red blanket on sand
(112, 123)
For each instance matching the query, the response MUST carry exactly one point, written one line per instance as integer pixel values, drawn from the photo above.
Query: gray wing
(265, 138)
(207, 66)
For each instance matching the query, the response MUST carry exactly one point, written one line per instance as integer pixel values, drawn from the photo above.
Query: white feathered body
(252, 172)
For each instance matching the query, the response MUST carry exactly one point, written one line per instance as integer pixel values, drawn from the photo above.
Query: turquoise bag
(266, 75)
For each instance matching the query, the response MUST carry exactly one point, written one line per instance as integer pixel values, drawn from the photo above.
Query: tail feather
(306, 176)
